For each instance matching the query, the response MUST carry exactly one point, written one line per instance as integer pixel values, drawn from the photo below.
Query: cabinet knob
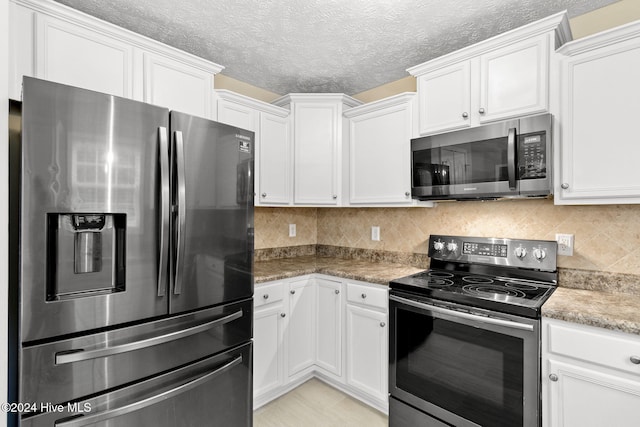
(264, 194)
(334, 196)
(337, 291)
(363, 296)
(564, 185)
(382, 324)
(265, 296)
(283, 314)
(407, 194)
(465, 115)
(481, 111)
(635, 360)
(553, 377)
(292, 291)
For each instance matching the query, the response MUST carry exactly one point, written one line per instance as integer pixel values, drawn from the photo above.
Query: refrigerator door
(65, 370)
(213, 213)
(214, 392)
(94, 210)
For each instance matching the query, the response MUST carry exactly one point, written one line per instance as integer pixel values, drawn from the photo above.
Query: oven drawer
(367, 296)
(268, 294)
(607, 348)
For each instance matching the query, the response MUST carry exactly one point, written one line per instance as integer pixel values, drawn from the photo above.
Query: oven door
(472, 163)
(463, 368)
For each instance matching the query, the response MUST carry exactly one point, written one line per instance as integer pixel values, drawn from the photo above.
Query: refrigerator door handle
(181, 219)
(77, 356)
(141, 404)
(164, 210)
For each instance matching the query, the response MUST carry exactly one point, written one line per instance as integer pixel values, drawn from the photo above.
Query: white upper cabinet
(177, 85)
(273, 152)
(320, 146)
(54, 42)
(380, 151)
(600, 106)
(502, 77)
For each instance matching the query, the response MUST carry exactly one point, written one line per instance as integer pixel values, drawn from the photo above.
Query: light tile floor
(316, 404)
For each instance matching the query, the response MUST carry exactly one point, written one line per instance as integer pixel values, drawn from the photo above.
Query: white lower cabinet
(268, 333)
(590, 376)
(321, 326)
(301, 330)
(367, 360)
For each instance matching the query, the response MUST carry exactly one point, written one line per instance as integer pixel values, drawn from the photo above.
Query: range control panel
(534, 254)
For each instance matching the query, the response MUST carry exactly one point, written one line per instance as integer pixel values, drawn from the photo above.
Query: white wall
(4, 197)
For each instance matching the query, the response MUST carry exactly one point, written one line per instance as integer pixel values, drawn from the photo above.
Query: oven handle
(469, 316)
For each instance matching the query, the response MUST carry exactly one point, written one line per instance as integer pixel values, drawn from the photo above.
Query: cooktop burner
(494, 274)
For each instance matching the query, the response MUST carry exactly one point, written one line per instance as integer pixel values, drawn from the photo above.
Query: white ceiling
(346, 46)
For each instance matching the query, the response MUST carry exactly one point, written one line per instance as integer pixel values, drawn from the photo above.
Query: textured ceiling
(346, 46)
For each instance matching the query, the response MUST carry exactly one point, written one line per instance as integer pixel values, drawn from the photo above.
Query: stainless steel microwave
(505, 159)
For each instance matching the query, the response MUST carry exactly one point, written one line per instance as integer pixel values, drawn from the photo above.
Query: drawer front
(367, 296)
(268, 294)
(609, 349)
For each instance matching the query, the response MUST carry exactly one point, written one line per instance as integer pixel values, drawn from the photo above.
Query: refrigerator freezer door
(94, 173)
(214, 392)
(213, 224)
(65, 370)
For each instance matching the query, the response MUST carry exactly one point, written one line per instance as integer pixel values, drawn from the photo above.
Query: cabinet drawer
(367, 295)
(268, 294)
(609, 349)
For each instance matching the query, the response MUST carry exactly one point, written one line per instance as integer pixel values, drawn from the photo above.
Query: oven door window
(472, 372)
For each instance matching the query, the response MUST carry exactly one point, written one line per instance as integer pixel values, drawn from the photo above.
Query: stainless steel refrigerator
(135, 275)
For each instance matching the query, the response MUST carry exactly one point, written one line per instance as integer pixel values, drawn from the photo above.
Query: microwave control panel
(532, 155)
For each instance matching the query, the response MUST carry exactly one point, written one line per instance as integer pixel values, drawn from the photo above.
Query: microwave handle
(511, 158)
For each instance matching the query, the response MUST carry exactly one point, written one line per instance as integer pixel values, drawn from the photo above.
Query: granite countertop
(363, 270)
(605, 300)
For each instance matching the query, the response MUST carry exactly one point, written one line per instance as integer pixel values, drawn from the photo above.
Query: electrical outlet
(292, 230)
(375, 233)
(565, 244)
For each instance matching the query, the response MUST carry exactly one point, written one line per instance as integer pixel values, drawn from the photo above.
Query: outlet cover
(565, 244)
(292, 230)
(375, 233)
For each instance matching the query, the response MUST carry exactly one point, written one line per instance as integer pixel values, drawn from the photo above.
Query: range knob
(438, 245)
(539, 254)
(520, 252)
(452, 246)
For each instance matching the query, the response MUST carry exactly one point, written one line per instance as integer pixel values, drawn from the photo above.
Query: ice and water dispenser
(86, 254)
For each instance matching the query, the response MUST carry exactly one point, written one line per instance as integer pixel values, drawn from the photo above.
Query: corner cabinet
(600, 108)
(319, 146)
(380, 152)
(273, 151)
(321, 326)
(54, 42)
(590, 376)
(502, 77)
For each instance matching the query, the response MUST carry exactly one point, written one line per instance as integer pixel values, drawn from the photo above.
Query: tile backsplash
(607, 237)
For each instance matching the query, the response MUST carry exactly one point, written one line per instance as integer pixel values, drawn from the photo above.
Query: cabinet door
(367, 351)
(445, 99)
(514, 80)
(177, 85)
(329, 322)
(301, 335)
(316, 137)
(599, 126)
(273, 161)
(380, 156)
(238, 115)
(588, 397)
(268, 361)
(73, 55)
